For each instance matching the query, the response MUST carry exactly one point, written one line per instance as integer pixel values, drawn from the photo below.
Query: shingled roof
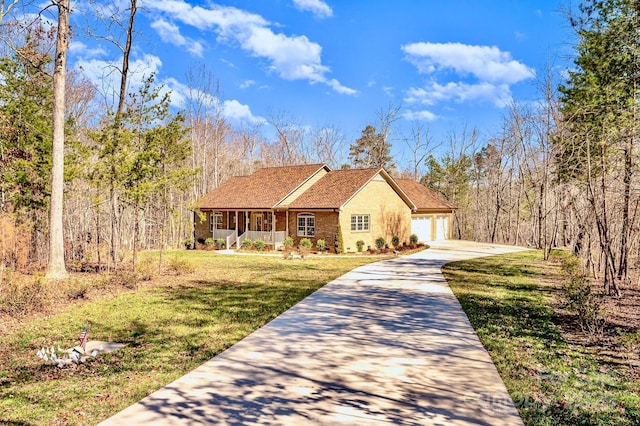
(334, 189)
(337, 187)
(423, 197)
(267, 187)
(264, 189)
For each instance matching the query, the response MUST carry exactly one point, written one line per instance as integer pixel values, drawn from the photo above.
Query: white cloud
(499, 95)
(105, 75)
(179, 92)
(319, 8)
(423, 115)
(232, 110)
(291, 57)
(487, 63)
(484, 73)
(235, 111)
(170, 33)
(80, 49)
(339, 88)
(247, 83)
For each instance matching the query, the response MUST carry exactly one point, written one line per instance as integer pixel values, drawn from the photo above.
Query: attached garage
(421, 226)
(431, 221)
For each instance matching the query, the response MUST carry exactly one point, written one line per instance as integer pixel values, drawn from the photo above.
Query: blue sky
(450, 64)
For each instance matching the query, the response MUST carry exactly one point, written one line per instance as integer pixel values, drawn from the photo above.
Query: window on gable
(306, 225)
(360, 222)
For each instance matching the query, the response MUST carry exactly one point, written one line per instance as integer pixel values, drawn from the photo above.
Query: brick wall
(326, 225)
(202, 225)
(389, 215)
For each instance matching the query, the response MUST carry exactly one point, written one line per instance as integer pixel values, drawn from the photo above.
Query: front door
(257, 222)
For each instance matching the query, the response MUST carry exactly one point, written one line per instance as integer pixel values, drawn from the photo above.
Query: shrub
(259, 244)
(221, 243)
(179, 266)
(188, 243)
(209, 242)
(287, 243)
(413, 239)
(580, 298)
(360, 245)
(146, 269)
(380, 243)
(75, 289)
(339, 243)
(246, 243)
(306, 243)
(321, 245)
(395, 241)
(126, 279)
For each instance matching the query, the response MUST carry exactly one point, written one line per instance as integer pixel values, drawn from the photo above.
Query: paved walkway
(387, 343)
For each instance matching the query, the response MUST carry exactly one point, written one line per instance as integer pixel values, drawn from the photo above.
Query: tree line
(561, 172)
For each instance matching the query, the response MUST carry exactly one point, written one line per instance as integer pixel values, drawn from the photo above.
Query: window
(306, 225)
(360, 222)
(215, 221)
(269, 225)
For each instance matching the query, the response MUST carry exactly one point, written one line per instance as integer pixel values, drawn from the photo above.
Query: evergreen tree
(371, 150)
(599, 105)
(25, 146)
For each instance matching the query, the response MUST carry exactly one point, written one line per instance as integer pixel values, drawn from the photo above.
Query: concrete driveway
(387, 343)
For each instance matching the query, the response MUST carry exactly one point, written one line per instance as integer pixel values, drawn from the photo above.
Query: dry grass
(170, 323)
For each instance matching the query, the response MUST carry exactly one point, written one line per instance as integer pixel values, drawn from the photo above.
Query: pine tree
(25, 136)
(599, 105)
(371, 150)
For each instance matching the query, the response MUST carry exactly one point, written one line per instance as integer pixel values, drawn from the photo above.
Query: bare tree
(56, 269)
(289, 147)
(420, 146)
(328, 145)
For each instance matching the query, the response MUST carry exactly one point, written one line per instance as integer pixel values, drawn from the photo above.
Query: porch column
(212, 218)
(273, 229)
(287, 225)
(236, 221)
(246, 221)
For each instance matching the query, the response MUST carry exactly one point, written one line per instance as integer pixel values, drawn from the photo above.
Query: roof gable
(337, 187)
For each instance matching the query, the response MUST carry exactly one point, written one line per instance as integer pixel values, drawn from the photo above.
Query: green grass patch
(508, 299)
(170, 324)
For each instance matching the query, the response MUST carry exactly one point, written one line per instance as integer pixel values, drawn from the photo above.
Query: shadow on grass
(551, 380)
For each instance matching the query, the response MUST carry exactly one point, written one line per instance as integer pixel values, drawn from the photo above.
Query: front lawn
(170, 324)
(511, 302)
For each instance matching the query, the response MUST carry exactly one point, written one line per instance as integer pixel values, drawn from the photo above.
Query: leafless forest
(561, 172)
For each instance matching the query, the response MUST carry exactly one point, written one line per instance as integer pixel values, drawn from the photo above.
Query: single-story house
(431, 220)
(312, 201)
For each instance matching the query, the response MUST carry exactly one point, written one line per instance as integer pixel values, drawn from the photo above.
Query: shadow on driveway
(387, 343)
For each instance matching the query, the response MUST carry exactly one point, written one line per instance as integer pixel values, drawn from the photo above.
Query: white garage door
(421, 226)
(442, 228)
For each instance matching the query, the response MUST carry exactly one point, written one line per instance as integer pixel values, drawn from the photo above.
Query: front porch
(236, 225)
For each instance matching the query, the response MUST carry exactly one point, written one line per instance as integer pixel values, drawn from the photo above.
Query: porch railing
(222, 233)
(232, 239)
(273, 238)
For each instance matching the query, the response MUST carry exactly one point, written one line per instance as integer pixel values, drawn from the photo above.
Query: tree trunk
(136, 232)
(125, 59)
(623, 266)
(56, 269)
(114, 219)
